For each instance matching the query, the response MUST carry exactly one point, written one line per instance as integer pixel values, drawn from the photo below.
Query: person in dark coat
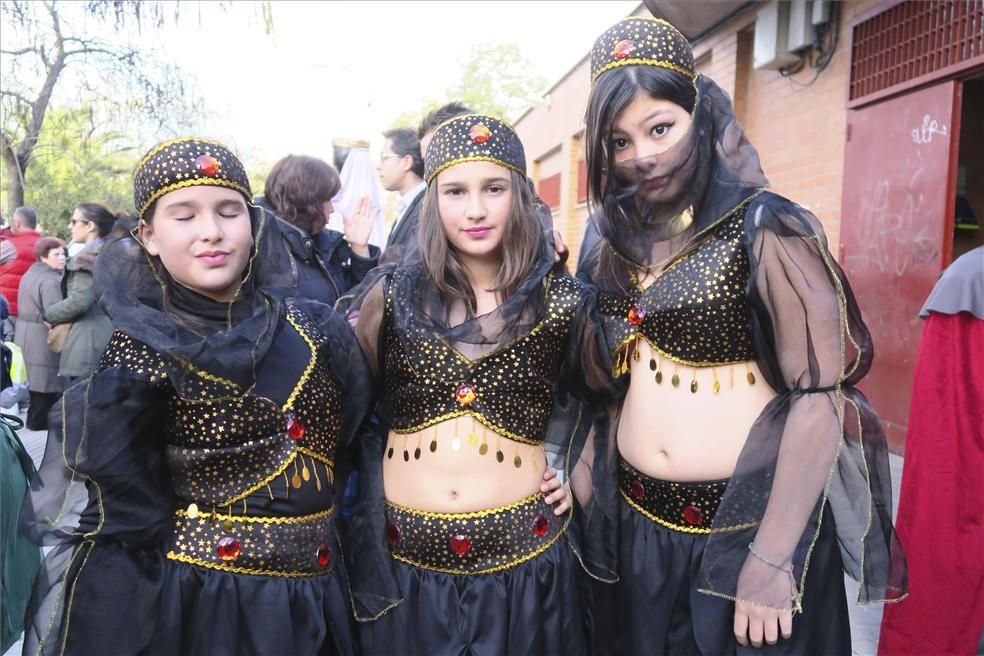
(324, 263)
(91, 328)
(40, 288)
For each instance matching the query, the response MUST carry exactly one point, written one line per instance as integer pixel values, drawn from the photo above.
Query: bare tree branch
(22, 51)
(17, 96)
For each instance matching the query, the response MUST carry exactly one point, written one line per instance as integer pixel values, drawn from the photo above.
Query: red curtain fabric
(941, 510)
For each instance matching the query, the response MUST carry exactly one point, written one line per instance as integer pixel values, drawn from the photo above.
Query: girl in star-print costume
(741, 471)
(465, 541)
(187, 489)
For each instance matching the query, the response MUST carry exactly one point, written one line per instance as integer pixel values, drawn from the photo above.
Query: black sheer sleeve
(586, 392)
(370, 568)
(102, 499)
(817, 442)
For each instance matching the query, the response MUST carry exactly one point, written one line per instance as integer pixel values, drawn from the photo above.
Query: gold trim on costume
(644, 62)
(307, 370)
(195, 182)
(498, 538)
(475, 158)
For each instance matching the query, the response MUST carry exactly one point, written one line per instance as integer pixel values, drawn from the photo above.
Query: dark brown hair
(45, 245)
(519, 246)
(98, 214)
(297, 188)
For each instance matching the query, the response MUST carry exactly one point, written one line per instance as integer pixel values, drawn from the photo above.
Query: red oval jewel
(623, 49)
(323, 555)
(638, 491)
(393, 533)
(228, 548)
(636, 315)
(480, 133)
(693, 515)
(207, 165)
(295, 428)
(460, 544)
(541, 525)
(466, 394)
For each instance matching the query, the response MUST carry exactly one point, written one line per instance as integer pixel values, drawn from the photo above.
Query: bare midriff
(674, 434)
(462, 479)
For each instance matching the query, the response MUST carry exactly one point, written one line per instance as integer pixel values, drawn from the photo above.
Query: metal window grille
(912, 39)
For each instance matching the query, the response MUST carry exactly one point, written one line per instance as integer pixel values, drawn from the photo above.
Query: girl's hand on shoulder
(558, 495)
(358, 227)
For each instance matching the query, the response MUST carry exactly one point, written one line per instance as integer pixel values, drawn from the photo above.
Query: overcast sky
(345, 69)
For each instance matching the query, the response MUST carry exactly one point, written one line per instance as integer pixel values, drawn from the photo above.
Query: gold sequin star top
(696, 313)
(510, 389)
(186, 162)
(474, 138)
(642, 41)
(228, 446)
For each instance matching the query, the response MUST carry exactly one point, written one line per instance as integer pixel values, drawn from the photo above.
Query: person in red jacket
(23, 235)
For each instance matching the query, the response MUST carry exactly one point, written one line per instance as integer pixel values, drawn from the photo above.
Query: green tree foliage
(495, 79)
(77, 160)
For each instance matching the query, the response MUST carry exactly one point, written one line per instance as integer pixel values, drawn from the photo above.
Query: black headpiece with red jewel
(474, 138)
(186, 162)
(642, 41)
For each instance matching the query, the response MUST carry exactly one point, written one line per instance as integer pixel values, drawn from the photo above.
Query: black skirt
(498, 582)
(657, 608)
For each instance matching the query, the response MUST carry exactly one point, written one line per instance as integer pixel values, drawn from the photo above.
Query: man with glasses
(401, 168)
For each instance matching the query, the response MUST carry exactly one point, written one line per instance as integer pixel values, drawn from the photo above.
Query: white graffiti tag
(924, 134)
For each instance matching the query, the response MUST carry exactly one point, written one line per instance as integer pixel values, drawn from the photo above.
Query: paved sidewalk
(865, 620)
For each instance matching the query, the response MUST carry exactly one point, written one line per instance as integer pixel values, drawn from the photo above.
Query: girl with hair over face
(187, 488)
(463, 542)
(741, 470)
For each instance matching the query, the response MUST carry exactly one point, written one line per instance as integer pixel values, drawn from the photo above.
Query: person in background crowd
(742, 472)
(22, 235)
(942, 498)
(324, 263)
(401, 169)
(91, 328)
(40, 289)
(358, 179)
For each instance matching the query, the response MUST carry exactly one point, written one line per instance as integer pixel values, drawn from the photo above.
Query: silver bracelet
(797, 597)
(751, 547)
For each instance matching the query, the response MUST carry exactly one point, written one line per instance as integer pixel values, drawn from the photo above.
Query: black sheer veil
(819, 441)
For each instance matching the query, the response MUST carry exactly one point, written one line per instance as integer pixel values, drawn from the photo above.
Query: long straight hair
(519, 246)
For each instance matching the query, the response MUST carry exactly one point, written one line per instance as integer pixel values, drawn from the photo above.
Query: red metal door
(896, 231)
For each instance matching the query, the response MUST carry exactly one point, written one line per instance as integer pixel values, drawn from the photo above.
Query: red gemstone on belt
(636, 315)
(541, 525)
(693, 515)
(460, 544)
(623, 49)
(295, 427)
(638, 491)
(228, 548)
(393, 533)
(479, 133)
(466, 394)
(207, 165)
(323, 555)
